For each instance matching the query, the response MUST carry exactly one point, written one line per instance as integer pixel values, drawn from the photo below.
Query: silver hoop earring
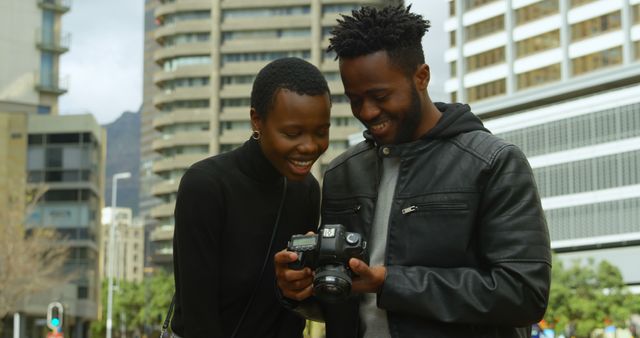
(255, 135)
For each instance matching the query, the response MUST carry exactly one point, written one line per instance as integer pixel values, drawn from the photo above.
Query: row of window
(486, 90)
(172, 64)
(264, 56)
(69, 195)
(539, 76)
(265, 12)
(185, 82)
(183, 104)
(599, 173)
(184, 150)
(183, 38)
(57, 176)
(597, 60)
(172, 129)
(266, 34)
(579, 31)
(58, 157)
(471, 4)
(538, 43)
(485, 59)
(599, 127)
(608, 218)
(62, 138)
(183, 16)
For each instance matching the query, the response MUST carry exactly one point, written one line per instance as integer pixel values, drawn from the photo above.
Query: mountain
(123, 154)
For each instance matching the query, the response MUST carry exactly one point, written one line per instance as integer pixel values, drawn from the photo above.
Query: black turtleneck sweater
(225, 213)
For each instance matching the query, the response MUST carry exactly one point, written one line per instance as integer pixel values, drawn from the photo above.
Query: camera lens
(332, 283)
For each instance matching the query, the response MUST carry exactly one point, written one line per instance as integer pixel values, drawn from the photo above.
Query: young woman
(228, 206)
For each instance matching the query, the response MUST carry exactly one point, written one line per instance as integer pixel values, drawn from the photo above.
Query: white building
(559, 79)
(129, 241)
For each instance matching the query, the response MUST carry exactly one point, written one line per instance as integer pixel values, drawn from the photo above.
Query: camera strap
(167, 319)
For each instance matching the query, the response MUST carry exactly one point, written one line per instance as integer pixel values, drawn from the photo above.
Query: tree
(30, 259)
(585, 297)
(140, 306)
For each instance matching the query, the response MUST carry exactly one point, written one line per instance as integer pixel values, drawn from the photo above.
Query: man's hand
(294, 284)
(369, 279)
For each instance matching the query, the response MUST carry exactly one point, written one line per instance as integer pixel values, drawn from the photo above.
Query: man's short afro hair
(294, 74)
(393, 29)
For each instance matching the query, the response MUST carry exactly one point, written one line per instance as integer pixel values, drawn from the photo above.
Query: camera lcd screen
(304, 241)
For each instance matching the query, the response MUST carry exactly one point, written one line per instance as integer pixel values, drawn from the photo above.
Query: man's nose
(368, 111)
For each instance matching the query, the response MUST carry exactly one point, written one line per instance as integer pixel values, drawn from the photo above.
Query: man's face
(295, 132)
(382, 97)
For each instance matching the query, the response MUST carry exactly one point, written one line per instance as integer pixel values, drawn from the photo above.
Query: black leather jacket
(467, 248)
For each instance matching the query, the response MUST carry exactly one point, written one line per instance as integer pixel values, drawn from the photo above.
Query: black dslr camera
(328, 253)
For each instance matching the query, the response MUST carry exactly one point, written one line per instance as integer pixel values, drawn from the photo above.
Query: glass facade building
(566, 93)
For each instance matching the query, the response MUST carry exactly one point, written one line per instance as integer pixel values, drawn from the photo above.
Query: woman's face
(295, 132)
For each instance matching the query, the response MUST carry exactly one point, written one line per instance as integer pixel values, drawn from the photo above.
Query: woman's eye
(291, 134)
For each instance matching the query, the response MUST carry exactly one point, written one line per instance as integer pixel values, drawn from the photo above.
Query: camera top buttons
(353, 238)
(329, 232)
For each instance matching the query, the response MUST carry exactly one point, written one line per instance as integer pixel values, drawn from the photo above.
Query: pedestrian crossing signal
(54, 316)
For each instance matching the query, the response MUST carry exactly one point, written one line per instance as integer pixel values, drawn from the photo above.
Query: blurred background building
(559, 79)
(198, 86)
(66, 153)
(129, 249)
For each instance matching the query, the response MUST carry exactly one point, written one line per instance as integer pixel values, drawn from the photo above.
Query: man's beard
(412, 119)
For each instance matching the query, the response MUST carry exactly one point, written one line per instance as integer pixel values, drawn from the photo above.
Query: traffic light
(54, 316)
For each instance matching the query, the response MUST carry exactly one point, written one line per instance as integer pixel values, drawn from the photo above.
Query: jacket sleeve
(199, 214)
(510, 283)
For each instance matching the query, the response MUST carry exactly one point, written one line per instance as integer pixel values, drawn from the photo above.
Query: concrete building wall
(19, 56)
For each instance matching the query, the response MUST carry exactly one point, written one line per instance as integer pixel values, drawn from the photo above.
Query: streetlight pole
(112, 245)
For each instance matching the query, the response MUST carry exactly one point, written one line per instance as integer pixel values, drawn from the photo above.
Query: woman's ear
(256, 122)
(422, 77)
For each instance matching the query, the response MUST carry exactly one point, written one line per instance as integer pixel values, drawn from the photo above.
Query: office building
(559, 79)
(129, 249)
(208, 54)
(66, 154)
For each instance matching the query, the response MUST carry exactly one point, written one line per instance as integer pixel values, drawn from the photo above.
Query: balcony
(163, 210)
(48, 42)
(181, 161)
(162, 233)
(181, 116)
(51, 84)
(190, 26)
(165, 187)
(184, 49)
(182, 139)
(61, 6)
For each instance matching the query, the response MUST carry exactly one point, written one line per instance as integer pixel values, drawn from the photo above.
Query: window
(234, 125)
(170, 86)
(485, 59)
(576, 3)
(48, 30)
(53, 157)
(454, 96)
(484, 28)
(636, 13)
(538, 43)
(267, 34)
(595, 26)
(183, 16)
(44, 110)
(172, 64)
(235, 102)
(536, 11)
(83, 292)
(486, 90)
(471, 4)
(237, 80)
(47, 77)
(453, 68)
(184, 104)
(265, 12)
(264, 56)
(539, 76)
(637, 48)
(179, 39)
(452, 39)
(452, 8)
(339, 8)
(598, 60)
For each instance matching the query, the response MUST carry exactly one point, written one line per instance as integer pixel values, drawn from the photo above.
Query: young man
(457, 239)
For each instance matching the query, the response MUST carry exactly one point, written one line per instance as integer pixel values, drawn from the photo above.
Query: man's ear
(256, 122)
(422, 77)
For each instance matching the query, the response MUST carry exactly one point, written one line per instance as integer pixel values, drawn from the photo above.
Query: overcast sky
(104, 63)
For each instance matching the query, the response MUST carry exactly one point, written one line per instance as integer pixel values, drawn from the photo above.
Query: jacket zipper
(436, 205)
